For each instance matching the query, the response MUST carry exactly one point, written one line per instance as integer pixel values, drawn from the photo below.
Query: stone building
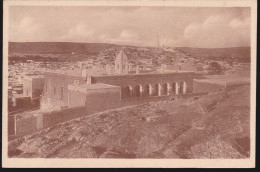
(33, 86)
(32, 90)
(100, 89)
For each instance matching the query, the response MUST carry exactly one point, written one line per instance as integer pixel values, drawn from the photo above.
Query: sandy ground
(210, 126)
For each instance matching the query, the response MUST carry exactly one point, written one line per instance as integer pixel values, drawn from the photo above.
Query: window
(46, 88)
(54, 90)
(27, 92)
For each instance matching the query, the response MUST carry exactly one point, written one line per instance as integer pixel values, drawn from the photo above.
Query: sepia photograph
(129, 84)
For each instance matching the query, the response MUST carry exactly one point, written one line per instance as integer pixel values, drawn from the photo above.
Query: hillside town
(147, 58)
(45, 96)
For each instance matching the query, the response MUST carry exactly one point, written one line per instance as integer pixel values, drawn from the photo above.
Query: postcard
(129, 83)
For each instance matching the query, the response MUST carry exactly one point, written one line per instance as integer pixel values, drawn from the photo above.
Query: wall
(22, 103)
(21, 124)
(62, 80)
(204, 87)
(76, 98)
(58, 81)
(34, 122)
(143, 79)
(95, 99)
(26, 124)
(98, 100)
(33, 87)
(27, 87)
(169, 68)
(232, 85)
(37, 87)
(11, 124)
(56, 117)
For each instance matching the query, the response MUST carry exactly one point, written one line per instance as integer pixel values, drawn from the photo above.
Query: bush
(215, 68)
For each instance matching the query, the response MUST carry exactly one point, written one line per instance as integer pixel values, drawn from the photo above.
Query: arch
(183, 87)
(165, 89)
(147, 90)
(138, 91)
(175, 88)
(157, 90)
(127, 92)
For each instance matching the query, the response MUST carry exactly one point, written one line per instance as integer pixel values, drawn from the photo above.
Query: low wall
(55, 117)
(20, 124)
(34, 122)
(27, 124)
(99, 102)
(205, 87)
(11, 125)
(231, 85)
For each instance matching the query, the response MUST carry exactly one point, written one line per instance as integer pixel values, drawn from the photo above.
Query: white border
(202, 163)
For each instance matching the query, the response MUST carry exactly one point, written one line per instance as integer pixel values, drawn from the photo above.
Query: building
(32, 89)
(93, 95)
(100, 88)
(33, 86)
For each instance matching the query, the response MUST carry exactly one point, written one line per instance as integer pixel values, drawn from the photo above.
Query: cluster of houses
(26, 80)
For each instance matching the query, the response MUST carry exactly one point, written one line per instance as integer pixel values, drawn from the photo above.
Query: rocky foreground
(210, 126)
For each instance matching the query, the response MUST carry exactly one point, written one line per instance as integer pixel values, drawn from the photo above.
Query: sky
(202, 27)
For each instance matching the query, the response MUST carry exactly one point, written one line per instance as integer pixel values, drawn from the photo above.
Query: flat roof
(33, 76)
(20, 96)
(101, 72)
(95, 86)
(85, 88)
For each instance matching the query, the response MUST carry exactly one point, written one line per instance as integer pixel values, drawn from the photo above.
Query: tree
(214, 68)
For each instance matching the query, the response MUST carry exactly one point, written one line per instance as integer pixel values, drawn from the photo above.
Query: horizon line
(122, 44)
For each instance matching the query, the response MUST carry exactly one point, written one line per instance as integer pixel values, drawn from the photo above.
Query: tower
(121, 63)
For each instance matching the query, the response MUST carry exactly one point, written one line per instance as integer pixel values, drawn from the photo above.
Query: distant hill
(95, 48)
(236, 52)
(56, 47)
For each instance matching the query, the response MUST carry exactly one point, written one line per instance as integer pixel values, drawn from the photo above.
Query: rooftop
(84, 88)
(33, 76)
(100, 72)
(96, 86)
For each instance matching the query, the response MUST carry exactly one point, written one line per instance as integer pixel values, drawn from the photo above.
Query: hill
(56, 47)
(236, 52)
(95, 48)
(216, 125)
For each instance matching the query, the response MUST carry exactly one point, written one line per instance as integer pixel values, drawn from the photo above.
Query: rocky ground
(210, 126)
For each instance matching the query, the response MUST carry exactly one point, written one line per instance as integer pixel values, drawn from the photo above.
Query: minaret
(121, 63)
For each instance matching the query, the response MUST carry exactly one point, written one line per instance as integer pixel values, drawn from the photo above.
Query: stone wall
(205, 87)
(103, 99)
(60, 83)
(28, 124)
(152, 79)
